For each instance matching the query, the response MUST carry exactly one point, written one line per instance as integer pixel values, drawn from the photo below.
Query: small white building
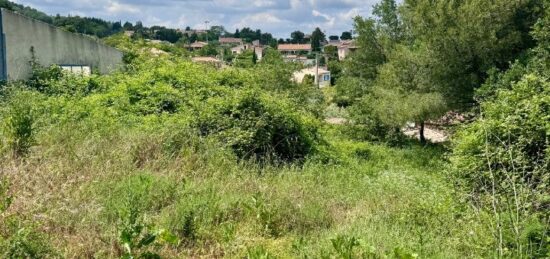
(323, 78)
(345, 48)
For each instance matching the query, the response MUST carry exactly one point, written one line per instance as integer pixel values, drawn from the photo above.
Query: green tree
(246, 59)
(331, 52)
(272, 56)
(209, 50)
(404, 93)
(371, 54)
(317, 38)
(388, 20)
(464, 51)
(346, 36)
(297, 37)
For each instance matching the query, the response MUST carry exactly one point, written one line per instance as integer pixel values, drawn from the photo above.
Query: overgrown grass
(372, 201)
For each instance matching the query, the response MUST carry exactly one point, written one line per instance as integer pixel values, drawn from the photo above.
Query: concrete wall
(51, 46)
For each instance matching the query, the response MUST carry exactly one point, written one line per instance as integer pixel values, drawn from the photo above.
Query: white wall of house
(324, 76)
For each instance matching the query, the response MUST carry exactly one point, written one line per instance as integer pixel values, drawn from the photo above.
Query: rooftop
(313, 70)
(231, 40)
(294, 47)
(198, 44)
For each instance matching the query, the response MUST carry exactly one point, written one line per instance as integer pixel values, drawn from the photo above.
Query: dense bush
(18, 123)
(503, 159)
(256, 126)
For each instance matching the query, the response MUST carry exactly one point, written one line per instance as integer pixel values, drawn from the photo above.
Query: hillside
(167, 158)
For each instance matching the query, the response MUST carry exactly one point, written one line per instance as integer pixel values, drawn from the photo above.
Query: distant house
(345, 48)
(230, 41)
(208, 60)
(198, 45)
(299, 58)
(290, 49)
(23, 38)
(323, 78)
(237, 50)
(129, 33)
(334, 43)
(191, 32)
(259, 50)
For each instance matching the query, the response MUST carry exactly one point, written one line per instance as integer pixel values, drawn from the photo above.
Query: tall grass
(373, 200)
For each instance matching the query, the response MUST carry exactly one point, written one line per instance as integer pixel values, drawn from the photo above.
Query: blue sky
(279, 17)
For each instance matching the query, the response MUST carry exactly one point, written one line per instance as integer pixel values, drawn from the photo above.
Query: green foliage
(349, 90)
(25, 10)
(18, 124)
(502, 157)
(258, 252)
(309, 80)
(272, 57)
(247, 59)
(25, 243)
(210, 50)
(256, 126)
(364, 63)
(317, 37)
(5, 198)
(17, 240)
(346, 35)
(344, 246)
(136, 239)
(464, 51)
(162, 160)
(404, 92)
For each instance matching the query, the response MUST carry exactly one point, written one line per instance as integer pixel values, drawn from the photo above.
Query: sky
(279, 17)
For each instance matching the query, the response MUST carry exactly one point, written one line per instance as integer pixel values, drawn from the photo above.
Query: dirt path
(432, 135)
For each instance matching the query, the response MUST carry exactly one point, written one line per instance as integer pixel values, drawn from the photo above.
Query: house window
(77, 69)
(326, 78)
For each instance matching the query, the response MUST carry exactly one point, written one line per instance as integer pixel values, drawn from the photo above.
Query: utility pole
(317, 81)
(206, 27)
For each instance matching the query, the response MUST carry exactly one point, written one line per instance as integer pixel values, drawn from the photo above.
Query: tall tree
(346, 36)
(297, 37)
(317, 38)
(388, 20)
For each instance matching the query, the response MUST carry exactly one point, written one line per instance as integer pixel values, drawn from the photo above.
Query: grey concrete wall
(51, 46)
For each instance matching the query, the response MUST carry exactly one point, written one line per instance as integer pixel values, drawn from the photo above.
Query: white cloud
(116, 8)
(252, 21)
(279, 17)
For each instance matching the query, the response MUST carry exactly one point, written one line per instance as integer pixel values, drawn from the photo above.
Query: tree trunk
(422, 137)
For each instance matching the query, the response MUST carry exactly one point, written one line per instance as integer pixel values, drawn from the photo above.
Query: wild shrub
(349, 91)
(258, 252)
(42, 77)
(19, 239)
(368, 125)
(24, 242)
(18, 123)
(257, 127)
(5, 198)
(503, 161)
(142, 192)
(138, 240)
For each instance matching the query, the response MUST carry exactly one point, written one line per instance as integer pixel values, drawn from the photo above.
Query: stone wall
(51, 46)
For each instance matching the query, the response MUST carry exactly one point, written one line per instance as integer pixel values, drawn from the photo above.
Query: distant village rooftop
(230, 40)
(294, 47)
(198, 44)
